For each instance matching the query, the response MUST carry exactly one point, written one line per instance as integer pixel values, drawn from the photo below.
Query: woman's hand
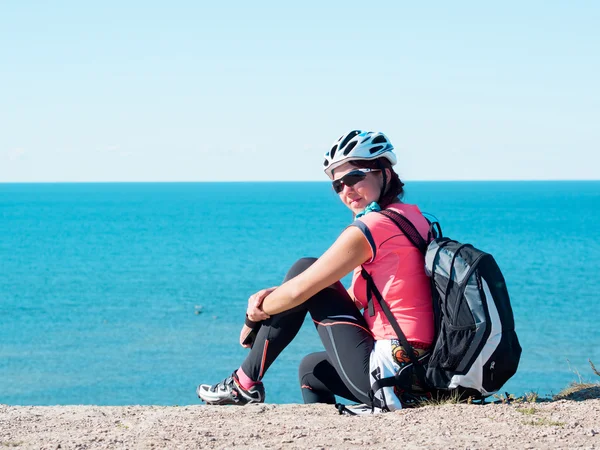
(254, 311)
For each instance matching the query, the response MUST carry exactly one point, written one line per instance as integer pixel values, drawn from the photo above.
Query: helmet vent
(333, 150)
(325, 163)
(379, 140)
(348, 138)
(349, 148)
(376, 148)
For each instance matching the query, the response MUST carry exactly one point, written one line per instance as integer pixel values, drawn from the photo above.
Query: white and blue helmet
(357, 145)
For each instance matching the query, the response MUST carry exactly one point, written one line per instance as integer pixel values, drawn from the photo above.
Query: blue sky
(182, 91)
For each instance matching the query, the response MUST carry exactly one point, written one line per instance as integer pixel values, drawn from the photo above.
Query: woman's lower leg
(275, 333)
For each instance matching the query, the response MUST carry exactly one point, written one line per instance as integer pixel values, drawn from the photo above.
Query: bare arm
(349, 251)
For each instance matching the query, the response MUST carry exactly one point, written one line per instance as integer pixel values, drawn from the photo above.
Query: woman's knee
(312, 377)
(304, 263)
(299, 266)
(308, 364)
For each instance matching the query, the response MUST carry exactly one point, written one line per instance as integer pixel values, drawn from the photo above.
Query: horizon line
(290, 181)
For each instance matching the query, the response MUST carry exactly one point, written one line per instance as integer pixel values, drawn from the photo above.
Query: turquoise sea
(133, 293)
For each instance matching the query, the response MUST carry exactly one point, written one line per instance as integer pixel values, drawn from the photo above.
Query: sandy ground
(558, 424)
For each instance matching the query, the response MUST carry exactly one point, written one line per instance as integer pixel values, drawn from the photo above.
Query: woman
(359, 348)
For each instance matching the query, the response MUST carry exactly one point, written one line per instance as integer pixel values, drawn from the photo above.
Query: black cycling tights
(343, 368)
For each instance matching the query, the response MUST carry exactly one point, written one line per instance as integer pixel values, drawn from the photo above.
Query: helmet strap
(384, 185)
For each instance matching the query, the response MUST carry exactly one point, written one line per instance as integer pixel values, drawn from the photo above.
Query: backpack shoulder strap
(372, 290)
(407, 227)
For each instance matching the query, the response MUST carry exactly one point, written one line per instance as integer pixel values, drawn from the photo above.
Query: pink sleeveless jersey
(398, 270)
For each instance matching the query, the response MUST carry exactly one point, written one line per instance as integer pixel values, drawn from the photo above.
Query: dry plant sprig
(451, 398)
(594, 367)
(528, 411)
(544, 422)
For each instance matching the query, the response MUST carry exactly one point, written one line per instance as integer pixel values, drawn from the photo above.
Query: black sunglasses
(350, 179)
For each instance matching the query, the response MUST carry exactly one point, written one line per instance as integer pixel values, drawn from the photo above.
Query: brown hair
(395, 186)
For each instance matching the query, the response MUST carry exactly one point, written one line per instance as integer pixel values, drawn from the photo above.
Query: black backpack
(476, 349)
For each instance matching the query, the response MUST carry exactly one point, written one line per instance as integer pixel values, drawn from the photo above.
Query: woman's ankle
(244, 380)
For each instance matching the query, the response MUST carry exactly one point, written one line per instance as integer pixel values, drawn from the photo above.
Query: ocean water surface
(133, 293)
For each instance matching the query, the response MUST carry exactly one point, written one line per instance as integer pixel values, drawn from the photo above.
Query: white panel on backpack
(474, 377)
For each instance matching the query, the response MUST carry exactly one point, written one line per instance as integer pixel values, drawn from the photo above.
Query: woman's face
(359, 196)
